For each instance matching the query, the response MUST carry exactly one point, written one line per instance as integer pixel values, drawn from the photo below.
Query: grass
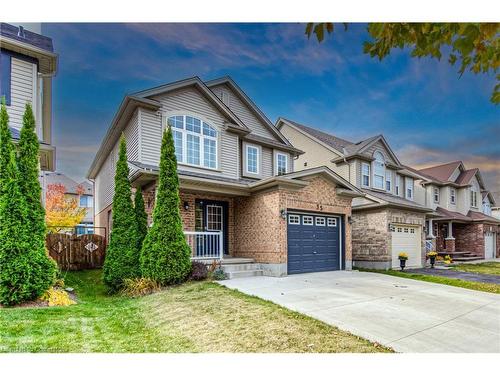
(474, 285)
(194, 317)
(488, 268)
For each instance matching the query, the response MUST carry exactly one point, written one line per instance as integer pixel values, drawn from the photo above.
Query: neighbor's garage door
(406, 239)
(313, 243)
(489, 245)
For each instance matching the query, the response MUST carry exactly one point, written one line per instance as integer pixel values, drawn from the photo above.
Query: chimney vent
(21, 32)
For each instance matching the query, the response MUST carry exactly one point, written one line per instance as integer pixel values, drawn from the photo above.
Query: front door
(211, 216)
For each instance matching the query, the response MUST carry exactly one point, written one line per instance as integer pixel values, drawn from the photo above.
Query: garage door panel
(406, 239)
(313, 248)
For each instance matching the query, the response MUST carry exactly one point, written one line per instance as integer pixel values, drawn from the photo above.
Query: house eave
(47, 60)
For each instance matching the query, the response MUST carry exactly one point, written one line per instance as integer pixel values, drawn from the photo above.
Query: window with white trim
(320, 221)
(453, 195)
(252, 159)
(436, 195)
(378, 170)
(398, 184)
(307, 220)
(331, 221)
(294, 219)
(365, 175)
(409, 188)
(281, 163)
(388, 181)
(195, 141)
(473, 198)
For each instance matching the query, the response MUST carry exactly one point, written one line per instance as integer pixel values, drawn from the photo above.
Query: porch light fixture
(186, 205)
(283, 213)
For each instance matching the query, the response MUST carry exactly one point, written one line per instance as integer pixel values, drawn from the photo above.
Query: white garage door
(406, 239)
(489, 245)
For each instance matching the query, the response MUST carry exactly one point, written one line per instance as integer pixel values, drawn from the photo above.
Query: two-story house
(81, 192)
(465, 223)
(388, 219)
(27, 65)
(241, 196)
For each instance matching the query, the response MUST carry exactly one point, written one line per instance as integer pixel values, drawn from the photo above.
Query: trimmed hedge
(122, 254)
(165, 255)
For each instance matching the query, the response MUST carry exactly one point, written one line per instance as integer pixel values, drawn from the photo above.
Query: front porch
(463, 242)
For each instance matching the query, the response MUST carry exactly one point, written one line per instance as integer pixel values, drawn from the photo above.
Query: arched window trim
(203, 148)
(378, 168)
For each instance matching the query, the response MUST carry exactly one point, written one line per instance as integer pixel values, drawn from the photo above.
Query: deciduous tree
(62, 212)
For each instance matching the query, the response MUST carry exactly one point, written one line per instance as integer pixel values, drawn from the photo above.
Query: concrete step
(466, 259)
(249, 273)
(241, 267)
(456, 253)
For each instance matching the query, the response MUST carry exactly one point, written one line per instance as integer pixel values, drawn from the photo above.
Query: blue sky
(424, 109)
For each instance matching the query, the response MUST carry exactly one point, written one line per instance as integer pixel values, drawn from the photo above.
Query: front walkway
(407, 315)
(452, 274)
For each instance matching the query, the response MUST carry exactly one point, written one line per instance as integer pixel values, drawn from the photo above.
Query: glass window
(195, 141)
(252, 159)
(281, 164)
(178, 145)
(409, 188)
(210, 153)
(332, 222)
(398, 184)
(193, 149)
(307, 220)
(436, 195)
(365, 171)
(294, 219)
(5, 79)
(193, 124)
(378, 170)
(452, 195)
(388, 181)
(320, 221)
(83, 200)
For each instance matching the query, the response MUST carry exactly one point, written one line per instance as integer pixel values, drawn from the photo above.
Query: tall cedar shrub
(165, 255)
(20, 278)
(141, 217)
(43, 267)
(122, 256)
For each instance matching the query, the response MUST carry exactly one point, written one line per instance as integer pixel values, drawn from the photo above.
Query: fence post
(221, 244)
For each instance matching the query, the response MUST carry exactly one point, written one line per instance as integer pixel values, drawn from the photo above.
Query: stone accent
(372, 239)
(450, 244)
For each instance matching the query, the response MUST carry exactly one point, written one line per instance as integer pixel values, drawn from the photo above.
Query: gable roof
(387, 199)
(465, 177)
(327, 139)
(246, 99)
(442, 172)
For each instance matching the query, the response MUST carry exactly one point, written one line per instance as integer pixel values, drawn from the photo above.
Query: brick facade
(372, 239)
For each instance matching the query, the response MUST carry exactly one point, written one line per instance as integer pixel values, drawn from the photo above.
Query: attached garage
(406, 239)
(489, 245)
(314, 242)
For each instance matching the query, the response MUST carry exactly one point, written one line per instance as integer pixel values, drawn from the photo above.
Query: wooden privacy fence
(77, 252)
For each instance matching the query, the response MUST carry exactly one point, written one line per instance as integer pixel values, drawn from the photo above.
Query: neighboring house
(495, 208)
(388, 219)
(27, 65)
(82, 192)
(464, 205)
(240, 194)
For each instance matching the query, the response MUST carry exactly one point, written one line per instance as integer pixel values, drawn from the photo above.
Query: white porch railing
(205, 245)
(429, 246)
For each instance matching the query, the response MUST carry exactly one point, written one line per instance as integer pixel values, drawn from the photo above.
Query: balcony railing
(205, 245)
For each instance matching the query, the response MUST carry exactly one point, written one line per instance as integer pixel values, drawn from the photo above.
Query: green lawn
(194, 317)
(483, 287)
(489, 268)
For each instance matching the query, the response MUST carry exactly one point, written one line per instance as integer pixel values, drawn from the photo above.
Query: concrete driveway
(407, 315)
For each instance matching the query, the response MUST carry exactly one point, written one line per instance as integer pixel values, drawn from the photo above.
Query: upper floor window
(388, 181)
(436, 195)
(195, 141)
(86, 201)
(365, 175)
(378, 170)
(473, 198)
(5, 72)
(252, 159)
(453, 193)
(398, 184)
(281, 163)
(409, 187)
(487, 208)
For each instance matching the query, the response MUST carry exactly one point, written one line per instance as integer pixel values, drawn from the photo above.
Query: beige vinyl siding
(353, 173)
(23, 90)
(267, 163)
(455, 174)
(379, 146)
(189, 102)
(315, 154)
(132, 136)
(243, 112)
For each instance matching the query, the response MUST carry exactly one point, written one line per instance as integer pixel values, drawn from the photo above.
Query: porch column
(450, 240)
(430, 234)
